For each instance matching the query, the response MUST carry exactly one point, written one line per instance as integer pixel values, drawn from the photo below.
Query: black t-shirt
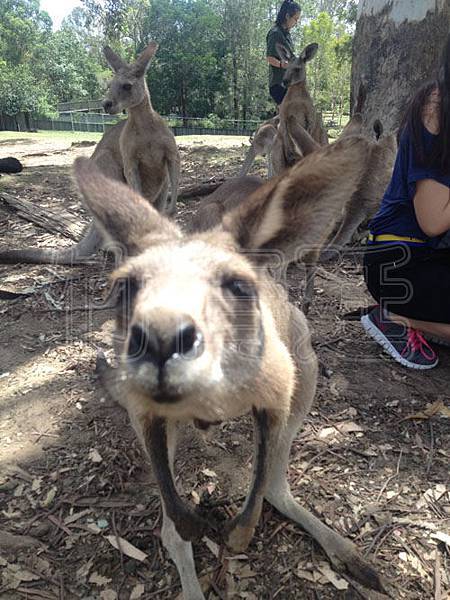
(277, 35)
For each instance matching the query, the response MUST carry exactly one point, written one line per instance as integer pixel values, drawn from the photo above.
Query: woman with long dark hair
(287, 18)
(407, 269)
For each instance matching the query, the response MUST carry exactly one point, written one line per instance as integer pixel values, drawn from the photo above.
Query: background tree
(396, 48)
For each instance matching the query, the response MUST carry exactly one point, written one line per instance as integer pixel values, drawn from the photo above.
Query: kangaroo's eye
(240, 288)
(127, 87)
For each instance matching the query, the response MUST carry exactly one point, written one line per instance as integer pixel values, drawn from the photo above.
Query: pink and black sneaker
(406, 345)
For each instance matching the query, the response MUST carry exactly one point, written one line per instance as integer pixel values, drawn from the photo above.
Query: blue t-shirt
(396, 214)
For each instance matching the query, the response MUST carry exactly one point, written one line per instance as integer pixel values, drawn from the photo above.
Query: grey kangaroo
(297, 109)
(140, 151)
(261, 144)
(206, 334)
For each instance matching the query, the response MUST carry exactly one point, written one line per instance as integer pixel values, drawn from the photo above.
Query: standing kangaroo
(261, 144)
(297, 109)
(140, 151)
(207, 335)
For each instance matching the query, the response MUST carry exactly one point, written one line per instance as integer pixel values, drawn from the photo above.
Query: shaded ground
(72, 474)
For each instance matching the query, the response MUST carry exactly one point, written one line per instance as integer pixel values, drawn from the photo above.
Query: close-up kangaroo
(204, 333)
(140, 151)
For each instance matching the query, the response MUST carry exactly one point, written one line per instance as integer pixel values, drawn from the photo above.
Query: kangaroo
(261, 143)
(206, 334)
(140, 151)
(229, 195)
(297, 108)
(366, 199)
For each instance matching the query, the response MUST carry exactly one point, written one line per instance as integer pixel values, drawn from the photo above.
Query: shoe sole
(381, 339)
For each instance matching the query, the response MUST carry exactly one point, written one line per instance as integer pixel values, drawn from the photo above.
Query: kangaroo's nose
(150, 345)
(107, 105)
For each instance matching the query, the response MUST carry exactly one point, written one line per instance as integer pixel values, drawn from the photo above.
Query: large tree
(397, 46)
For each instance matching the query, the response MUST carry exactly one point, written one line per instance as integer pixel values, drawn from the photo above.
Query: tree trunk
(235, 90)
(397, 47)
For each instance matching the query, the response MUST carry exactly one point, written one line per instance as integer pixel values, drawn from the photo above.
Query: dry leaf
(313, 577)
(209, 473)
(98, 579)
(14, 575)
(76, 516)
(126, 547)
(108, 595)
(137, 591)
(94, 528)
(327, 571)
(83, 571)
(435, 408)
(245, 572)
(94, 456)
(340, 428)
(48, 500)
(212, 546)
(36, 485)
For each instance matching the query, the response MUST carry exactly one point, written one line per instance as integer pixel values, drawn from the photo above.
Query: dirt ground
(369, 461)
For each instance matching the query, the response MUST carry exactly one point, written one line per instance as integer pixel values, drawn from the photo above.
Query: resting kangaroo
(261, 145)
(206, 334)
(296, 109)
(140, 151)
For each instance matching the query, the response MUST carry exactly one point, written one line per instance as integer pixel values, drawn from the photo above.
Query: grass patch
(69, 136)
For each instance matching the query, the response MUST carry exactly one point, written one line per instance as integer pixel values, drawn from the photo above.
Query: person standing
(288, 16)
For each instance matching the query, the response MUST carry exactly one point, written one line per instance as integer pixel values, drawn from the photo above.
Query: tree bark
(397, 47)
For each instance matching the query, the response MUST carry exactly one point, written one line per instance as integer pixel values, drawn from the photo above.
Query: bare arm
(432, 206)
(275, 62)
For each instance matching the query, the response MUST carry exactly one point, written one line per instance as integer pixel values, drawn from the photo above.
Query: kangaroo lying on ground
(229, 195)
(206, 334)
(140, 151)
(261, 145)
(297, 109)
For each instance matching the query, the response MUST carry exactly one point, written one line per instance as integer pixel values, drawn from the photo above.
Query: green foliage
(210, 63)
(40, 68)
(329, 72)
(30, 96)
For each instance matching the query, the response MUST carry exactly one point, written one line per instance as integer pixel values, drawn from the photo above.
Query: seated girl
(406, 264)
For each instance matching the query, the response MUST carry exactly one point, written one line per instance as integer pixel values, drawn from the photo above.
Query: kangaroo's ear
(142, 62)
(283, 52)
(121, 214)
(297, 211)
(353, 127)
(115, 62)
(309, 52)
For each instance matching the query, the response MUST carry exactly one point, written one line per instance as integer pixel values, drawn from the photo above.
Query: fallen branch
(200, 190)
(54, 224)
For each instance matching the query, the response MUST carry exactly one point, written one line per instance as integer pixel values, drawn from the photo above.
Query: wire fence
(77, 120)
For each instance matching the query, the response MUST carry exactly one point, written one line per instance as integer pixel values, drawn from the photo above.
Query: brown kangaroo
(140, 151)
(297, 108)
(367, 198)
(208, 335)
(261, 145)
